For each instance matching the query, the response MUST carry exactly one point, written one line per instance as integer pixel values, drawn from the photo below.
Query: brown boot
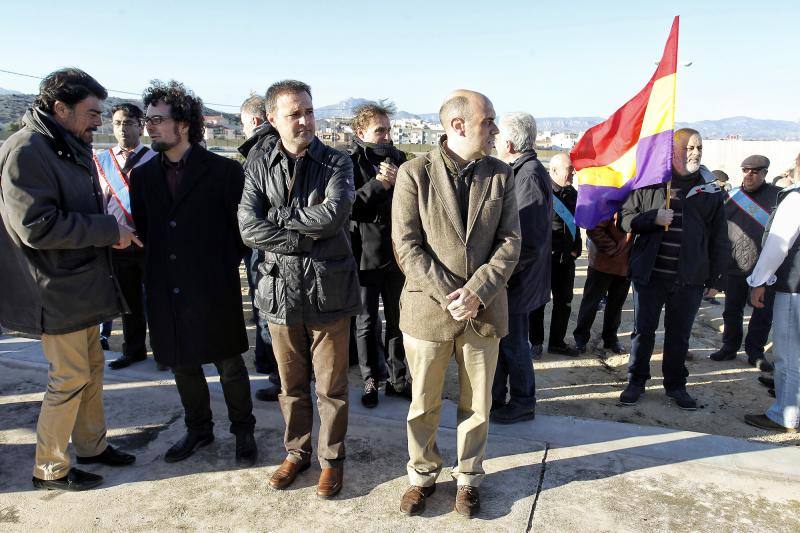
(413, 500)
(285, 474)
(330, 482)
(468, 502)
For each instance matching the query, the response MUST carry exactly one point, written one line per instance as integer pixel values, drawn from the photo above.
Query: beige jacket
(439, 255)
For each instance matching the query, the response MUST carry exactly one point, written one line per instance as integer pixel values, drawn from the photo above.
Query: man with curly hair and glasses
(184, 207)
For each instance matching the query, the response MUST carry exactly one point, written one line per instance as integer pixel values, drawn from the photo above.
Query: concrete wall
(727, 155)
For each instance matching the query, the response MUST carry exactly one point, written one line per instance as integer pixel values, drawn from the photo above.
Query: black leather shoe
(124, 361)
(187, 446)
(370, 396)
(75, 480)
(767, 382)
(616, 348)
(581, 347)
(562, 349)
(104, 343)
(246, 450)
(682, 399)
(761, 363)
(110, 457)
(269, 393)
(511, 414)
(401, 391)
(722, 355)
(631, 394)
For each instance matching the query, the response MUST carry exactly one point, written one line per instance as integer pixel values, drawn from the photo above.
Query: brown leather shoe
(413, 500)
(330, 482)
(468, 502)
(286, 473)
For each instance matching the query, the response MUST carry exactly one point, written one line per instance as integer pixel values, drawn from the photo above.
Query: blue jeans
(786, 350)
(515, 366)
(680, 303)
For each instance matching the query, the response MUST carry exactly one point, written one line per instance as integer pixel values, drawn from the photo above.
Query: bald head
(687, 151)
(468, 120)
(561, 170)
(458, 104)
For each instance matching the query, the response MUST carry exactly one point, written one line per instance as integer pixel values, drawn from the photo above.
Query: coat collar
(193, 173)
(315, 151)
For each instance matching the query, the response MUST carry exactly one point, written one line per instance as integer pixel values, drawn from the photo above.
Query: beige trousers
(73, 402)
(477, 359)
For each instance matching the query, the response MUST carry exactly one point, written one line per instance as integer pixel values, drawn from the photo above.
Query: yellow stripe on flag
(613, 175)
(660, 113)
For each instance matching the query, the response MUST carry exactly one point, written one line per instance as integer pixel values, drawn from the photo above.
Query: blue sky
(578, 58)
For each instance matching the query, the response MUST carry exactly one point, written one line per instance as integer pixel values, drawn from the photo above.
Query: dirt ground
(589, 386)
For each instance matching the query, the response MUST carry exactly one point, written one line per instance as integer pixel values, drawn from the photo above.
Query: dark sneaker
(682, 399)
(370, 396)
(511, 414)
(616, 348)
(562, 349)
(631, 394)
(468, 501)
(761, 363)
(75, 480)
(722, 355)
(536, 351)
(763, 422)
(401, 391)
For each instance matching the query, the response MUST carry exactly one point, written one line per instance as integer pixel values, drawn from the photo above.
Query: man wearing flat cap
(747, 209)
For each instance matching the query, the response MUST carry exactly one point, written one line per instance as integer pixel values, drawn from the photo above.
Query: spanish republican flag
(630, 150)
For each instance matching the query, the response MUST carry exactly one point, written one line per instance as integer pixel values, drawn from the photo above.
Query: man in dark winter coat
(747, 210)
(184, 207)
(669, 267)
(566, 247)
(528, 288)
(261, 137)
(295, 208)
(56, 277)
(375, 162)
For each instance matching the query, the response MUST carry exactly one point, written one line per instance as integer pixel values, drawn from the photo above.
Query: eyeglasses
(753, 170)
(155, 119)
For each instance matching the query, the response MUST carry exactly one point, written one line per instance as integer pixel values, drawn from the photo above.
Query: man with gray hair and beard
(678, 251)
(529, 286)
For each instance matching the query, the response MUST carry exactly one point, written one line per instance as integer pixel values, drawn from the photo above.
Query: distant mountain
(7, 91)
(346, 109)
(749, 128)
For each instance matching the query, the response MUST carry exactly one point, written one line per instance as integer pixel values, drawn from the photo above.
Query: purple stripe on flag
(597, 203)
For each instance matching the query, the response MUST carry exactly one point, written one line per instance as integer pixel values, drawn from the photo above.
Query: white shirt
(782, 235)
(112, 207)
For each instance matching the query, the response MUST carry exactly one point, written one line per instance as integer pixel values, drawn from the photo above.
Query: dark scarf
(378, 153)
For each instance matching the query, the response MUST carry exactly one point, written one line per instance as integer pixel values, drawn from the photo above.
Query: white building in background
(565, 141)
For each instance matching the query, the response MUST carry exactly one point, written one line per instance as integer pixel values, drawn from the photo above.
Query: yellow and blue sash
(565, 214)
(117, 181)
(743, 201)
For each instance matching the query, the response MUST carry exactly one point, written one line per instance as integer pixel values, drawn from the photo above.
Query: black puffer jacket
(371, 217)
(308, 275)
(705, 250)
(259, 144)
(55, 256)
(744, 232)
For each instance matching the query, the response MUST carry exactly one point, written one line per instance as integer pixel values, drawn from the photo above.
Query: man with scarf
(375, 163)
(56, 275)
(678, 250)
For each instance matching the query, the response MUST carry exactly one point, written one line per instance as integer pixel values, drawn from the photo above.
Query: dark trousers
(193, 390)
(737, 295)
(562, 280)
(129, 269)
(386, 285)
(264, 354)
(515, 366)
(598, 284)
(680, 303)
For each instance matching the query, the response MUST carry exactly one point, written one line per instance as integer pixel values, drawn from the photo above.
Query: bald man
(566, 247)
(669, 269)
(455, 231)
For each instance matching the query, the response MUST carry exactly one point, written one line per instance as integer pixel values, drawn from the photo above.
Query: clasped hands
(464, 304)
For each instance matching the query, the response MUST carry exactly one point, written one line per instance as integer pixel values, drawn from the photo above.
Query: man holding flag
(637, 150)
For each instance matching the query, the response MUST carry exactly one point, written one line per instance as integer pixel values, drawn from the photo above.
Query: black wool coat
(193, 251)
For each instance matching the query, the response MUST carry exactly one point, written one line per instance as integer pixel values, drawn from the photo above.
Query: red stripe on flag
(606, 142)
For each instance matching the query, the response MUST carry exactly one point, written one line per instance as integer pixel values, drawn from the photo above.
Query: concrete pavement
(553, 474)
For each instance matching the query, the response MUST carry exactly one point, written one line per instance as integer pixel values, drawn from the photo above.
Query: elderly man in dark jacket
(375, 163)
(529, 286)
(747, 210)
(669, 268)
(56, 277)
(295, 208)
(609, 251)
(184, 207)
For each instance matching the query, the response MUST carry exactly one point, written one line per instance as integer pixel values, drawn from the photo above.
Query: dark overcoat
(193, 249)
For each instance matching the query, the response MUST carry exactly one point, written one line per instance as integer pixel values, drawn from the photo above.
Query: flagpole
(669, 195)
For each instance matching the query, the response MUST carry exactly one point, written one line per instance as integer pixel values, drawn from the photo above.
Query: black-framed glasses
(155, 119)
